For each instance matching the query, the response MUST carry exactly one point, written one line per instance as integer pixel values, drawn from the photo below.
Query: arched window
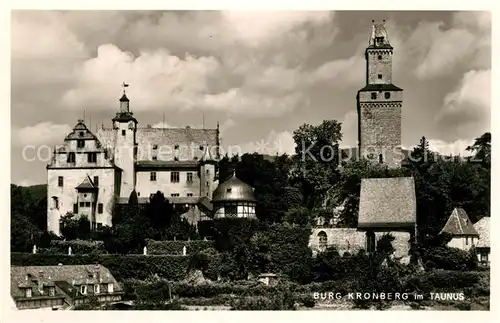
(370, 241)
(322, 240)
(55, 202)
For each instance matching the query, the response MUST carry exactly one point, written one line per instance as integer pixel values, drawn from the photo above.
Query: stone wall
(401, 242)
(344, 239)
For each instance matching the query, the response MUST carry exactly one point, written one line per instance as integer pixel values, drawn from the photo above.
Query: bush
(175, 247)
(283, 300)
(307, 300)
(78, 246)
(444, 281)
(448, 259)
(121, 266)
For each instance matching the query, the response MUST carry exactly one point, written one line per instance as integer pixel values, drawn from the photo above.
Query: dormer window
(83, 289)
(52, 291)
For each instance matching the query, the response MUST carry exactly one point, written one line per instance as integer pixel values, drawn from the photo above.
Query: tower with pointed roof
(125, 148)
(379, 103)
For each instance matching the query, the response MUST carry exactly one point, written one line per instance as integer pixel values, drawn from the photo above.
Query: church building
(91, 172)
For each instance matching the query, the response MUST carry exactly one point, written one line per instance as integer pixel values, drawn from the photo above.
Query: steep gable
(459, 224)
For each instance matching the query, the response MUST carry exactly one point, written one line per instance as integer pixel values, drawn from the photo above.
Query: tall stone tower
(379, 104)
(125, 128)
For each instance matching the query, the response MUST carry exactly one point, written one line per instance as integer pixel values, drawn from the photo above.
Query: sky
(259, 74)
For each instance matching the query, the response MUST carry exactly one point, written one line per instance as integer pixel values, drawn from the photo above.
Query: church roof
(459, 224)
(387, 202)
(483, 228)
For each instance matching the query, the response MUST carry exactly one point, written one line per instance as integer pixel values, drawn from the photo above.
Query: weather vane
(124, 85)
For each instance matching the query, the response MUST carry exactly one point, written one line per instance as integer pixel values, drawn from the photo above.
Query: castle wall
(343, 239)
(401, 242)
(67, 194)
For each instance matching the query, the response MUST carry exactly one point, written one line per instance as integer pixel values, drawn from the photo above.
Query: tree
(316, 160)
(482, 149)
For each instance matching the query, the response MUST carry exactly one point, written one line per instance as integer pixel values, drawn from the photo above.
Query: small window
(387, 95)
(75, 208)
(71, 158)
(374, 95)
(466, 241)
(83, 289)
(52, 291)
(155, 146)
(189, 177)
(379, 57)
(96, 180)
(208, 171)
(201, 147)
(123, 132)
(80, 143)
(82, 204)
(110, 288)
(138, 193)
(60, 181)
(380, 159)
(189, 194)
(96, 289)
(176, 147)
(87, 204)
(99, 208)
(28, 292)
(379, 76)
(175, 195)
(155, 157)
(229, 190)
(230, 210)
(152, 176)
(174, 177)
(92, 157)
(81, 133)
(176, 158)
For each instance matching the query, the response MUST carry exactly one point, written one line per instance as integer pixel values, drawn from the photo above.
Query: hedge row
(175, 247)
(171, 267)
(78, 246)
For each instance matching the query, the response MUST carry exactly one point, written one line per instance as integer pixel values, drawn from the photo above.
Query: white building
(459, 226)
(91, 172)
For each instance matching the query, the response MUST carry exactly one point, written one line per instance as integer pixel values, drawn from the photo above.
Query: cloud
(467, 108)
(44, 133)
(345, 71)
(466, 43)
(349, 130)
(42, 35)
(454, 148)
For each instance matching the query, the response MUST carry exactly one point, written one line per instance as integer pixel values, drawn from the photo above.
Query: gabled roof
(234, 189)
(72, 274)
(86, 184)
(80, 132)
(387, 202)
(483, 228)
(459, 224)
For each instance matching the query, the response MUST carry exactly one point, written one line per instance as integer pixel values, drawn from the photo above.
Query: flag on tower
(125, 84)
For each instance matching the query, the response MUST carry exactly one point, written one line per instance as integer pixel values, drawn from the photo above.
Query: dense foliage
(170, 247)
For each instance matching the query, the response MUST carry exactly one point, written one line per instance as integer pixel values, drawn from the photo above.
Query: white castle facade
(90, 172)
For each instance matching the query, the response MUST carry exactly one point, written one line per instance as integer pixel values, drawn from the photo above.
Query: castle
(90, 172)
